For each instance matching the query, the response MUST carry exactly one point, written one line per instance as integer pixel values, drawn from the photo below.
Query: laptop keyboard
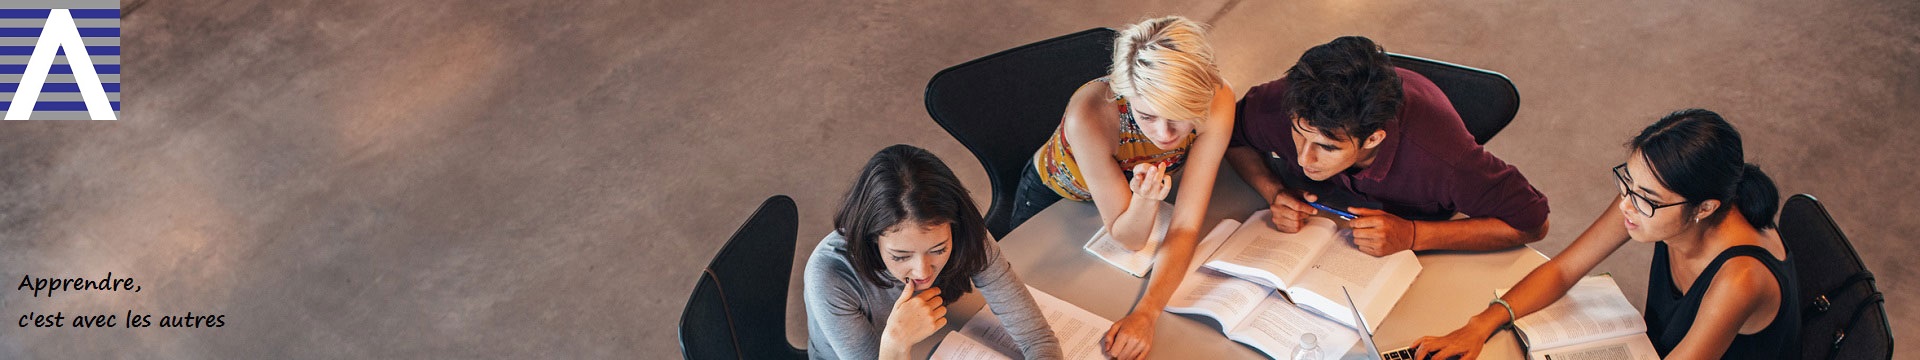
(1402, 354)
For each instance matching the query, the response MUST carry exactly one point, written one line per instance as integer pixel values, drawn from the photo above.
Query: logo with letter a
(60, 59)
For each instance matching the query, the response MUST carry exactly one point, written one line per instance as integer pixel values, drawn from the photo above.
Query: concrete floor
(524, 179)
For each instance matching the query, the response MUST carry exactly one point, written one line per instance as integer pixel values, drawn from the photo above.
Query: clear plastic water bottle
(1308, 349)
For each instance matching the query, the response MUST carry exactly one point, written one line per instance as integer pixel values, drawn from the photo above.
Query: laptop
(1366, 337)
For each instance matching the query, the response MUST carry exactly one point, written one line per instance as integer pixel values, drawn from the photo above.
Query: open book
(1248, 312)
(1257, 315)
(984, 338)
(1109, 249)
(1593, 321)
(1310, 267)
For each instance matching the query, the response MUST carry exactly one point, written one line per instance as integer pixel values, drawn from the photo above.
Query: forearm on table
(1183, 235)
(1541, 287)
(1175, 256)
(1495, 316)
(1136, 221)
(1470, 234)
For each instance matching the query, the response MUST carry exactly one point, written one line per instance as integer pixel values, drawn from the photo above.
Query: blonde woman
(1162, 111)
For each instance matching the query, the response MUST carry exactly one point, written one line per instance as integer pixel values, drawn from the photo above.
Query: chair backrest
(1002, 107)
(1844, 314)
(738, 307)
(1486, 100)
(706, 331)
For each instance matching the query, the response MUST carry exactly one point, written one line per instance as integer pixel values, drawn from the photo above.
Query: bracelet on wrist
(1509, 307)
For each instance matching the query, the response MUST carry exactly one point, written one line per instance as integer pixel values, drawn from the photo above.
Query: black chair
(1486, 100)
(1843, 314)
(738, 307)
(1002, 107)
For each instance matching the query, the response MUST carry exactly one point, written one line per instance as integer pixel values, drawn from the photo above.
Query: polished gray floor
(524, 179)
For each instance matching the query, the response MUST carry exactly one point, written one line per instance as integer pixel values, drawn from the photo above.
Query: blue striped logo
(60, 59)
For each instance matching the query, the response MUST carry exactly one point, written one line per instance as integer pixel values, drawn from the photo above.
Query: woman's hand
(915, 316)
(1463, 343)
(1150, 181)
(1131, 337)
(1150, 185)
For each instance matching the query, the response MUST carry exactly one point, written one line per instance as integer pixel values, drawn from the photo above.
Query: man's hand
(1290, 210)
(1379, 234)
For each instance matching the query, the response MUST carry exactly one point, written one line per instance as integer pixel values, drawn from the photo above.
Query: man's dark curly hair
(1346, 88)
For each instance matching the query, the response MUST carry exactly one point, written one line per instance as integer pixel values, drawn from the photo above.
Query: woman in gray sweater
(908, 223)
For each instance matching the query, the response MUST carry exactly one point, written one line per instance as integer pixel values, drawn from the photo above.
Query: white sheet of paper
(957, 346)
(1078, 330)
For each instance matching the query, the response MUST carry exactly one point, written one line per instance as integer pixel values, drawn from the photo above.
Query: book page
(1211, 243)
(1078, 330)
(1224, 298)
(1344, 261)
(1593, 309)
(1275, 327)
(957, 346)
(1260, 252)
(1630, 347)
(1377, 284)
(1136, 263)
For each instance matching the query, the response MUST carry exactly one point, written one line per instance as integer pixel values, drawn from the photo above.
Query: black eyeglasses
(1640, 202)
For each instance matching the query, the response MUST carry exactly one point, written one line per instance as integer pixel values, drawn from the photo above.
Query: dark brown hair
(1345, 88)
(903, 184)
(1698, 154)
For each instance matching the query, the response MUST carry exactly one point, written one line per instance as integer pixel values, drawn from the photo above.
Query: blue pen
(1342, 214)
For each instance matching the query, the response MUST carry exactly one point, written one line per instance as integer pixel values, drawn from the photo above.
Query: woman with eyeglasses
(1721, 284)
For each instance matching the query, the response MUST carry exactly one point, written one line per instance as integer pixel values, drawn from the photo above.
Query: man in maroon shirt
(1347, 129)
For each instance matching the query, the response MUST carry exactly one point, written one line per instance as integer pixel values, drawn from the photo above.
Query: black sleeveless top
(1670, 314)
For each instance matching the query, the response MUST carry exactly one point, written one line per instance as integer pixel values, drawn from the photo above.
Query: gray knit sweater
(846, 314)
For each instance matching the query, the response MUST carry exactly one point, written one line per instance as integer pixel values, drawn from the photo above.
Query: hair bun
(1757, 196)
